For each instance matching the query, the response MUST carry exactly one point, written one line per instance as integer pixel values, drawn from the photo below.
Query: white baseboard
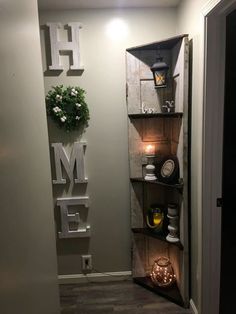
(94, 277)
(193, 307)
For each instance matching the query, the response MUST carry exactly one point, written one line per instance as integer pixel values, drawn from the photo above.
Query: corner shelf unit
(168, 131)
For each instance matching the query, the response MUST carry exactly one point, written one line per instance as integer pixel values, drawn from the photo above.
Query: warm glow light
(116, 29)
(149, 149)
(162, 273)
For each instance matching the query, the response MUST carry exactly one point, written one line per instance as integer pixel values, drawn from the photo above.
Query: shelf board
(155, 115)
(172, 186)
(171, 293)
(158, 236)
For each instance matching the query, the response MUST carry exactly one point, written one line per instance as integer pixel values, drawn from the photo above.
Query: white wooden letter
(83, 229)
(57, 46)
(76, 158)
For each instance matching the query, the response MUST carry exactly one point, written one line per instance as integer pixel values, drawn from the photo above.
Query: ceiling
(95, 4)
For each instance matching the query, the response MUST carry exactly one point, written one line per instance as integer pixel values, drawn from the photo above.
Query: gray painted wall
(28, 257)
(107, 151)
(189, 21)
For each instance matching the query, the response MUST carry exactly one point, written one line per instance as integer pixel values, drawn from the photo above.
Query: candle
(149, 150)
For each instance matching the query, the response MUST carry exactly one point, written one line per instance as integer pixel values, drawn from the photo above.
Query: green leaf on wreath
(67, 107)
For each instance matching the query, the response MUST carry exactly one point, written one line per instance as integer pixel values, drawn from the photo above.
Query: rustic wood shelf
(168, 132)
(171, 293)
(161, 237)
(172, 186)
(155, 115)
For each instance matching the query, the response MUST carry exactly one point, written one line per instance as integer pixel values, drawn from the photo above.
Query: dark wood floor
(121, 297)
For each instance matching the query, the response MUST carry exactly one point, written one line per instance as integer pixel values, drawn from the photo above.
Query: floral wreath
(67, 107)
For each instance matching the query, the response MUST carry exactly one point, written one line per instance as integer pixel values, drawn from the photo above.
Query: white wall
(189, 21)
(107, 151)
(28, 256)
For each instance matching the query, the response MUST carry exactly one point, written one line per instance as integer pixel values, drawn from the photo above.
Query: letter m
(76, 160)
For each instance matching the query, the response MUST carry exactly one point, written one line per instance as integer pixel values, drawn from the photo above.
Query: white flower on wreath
(77, 118)
(78, 105)
(58, 97)
(74, 92)
(63, 119)
(56, 109)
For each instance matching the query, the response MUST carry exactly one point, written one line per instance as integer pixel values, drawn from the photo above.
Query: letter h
(57, 46)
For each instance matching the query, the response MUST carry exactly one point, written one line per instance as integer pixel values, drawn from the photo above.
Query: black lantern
(159, 70)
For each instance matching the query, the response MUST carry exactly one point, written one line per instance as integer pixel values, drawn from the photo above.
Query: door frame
(213, 60)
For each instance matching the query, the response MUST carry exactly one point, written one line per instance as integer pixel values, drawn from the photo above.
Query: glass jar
(162, 273)
(155, 218)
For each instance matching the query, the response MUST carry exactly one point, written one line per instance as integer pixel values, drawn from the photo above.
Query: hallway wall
(103, 56)
(189, 21)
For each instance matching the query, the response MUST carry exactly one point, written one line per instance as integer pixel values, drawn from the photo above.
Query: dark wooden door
(228, 249)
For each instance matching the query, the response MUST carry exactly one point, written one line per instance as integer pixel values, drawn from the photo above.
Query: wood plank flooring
(120, 297)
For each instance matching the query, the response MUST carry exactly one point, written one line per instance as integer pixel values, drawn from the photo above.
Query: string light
(162, 273)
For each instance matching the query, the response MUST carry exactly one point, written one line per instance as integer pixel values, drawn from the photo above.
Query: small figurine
(169, 106)
(145, 109)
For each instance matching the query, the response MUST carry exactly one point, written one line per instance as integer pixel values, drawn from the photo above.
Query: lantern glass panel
(160, 78)
(159, 70)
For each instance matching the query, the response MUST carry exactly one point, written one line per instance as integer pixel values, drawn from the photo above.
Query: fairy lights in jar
(162, 273)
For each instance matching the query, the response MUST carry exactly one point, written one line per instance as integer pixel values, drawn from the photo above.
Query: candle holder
(169, 106)
(150, 168)
(173, 226)
(162, 273)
